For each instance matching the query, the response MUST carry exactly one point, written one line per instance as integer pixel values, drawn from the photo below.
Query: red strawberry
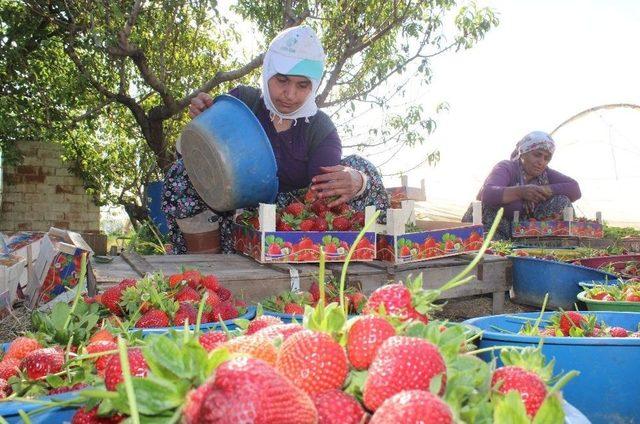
(186, 312)
(5, 388)
(281, 226)
(187, 294)
(331, 249)
(618, 332)
(364, 338)
(227, 312)
(212, 340)
(319, 207)
(570, 319)
(341, 223)
(213, 300)
(357, 220)
(42, 362)
(529, 385)
(152, 319)
(82, 416)
(67, 389)
(21, 346)
(192, 277)
(394, 297)
(404, 251)
(210, 282)
(127, 282)
(309, 196)
(111, 299)
(402, 363)
(314, 289)
(279, 330)
(632, 297)
(113, 371)
(175, 280)
(262, 322)
(247, 390)
(295, 209)
(337, 407)
(102, 335)
(308, 224)
(341, 209)
(9, 367)
(321, 224)
(356, 302)
(102, 346)
(223, 293)
(313, 361)
(293, 309)
(413, 407)
(274, 249)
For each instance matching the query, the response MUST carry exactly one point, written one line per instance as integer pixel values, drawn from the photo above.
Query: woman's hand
(199, 103)
(535, 193)
(338, 180)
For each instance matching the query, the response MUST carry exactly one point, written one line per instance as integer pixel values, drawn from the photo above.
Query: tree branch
(222, 77)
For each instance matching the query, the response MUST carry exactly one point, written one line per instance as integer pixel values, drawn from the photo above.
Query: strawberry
(305, 243)
(247, 390)
(152, 319)
(280, 330)
(308, 224)
(210, 282)
(9, 367)
(127, 282)
(405, 251)
(618, 332)
(175, 280)
(186, 313)
(529, 385)
(413, 407)
(82, 416)
(309, 197)
(42, 362)
(319, 207)
(337, 407)
(227, 312)
(254, 346)
(213, 300)
(331, 249)
(632, 297)
(281, 226)
(356, 302)
(212, 340)
(357, 220)
(402, 363)
(102, 335)
(262, 322)
(5, 388)
(192, 277)
(341, 223)
(395, 298)
(314, 289)
(365, 336)
(113, 372)
(570, 319)
(321, 224)
(111, 300)
(274, 249)
(67, 389)
(102, 346)
(313, 361)
(187, 294)
(341, 209)
(21, 346)
(293, 309)
(295, 209)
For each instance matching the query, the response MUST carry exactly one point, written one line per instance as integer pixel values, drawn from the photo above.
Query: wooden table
(254, 281)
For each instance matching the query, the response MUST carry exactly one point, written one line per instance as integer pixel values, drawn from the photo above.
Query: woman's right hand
(199, 103)
(534, 193)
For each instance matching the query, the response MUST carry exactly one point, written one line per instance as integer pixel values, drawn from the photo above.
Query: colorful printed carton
(557, 228)
(270, 246)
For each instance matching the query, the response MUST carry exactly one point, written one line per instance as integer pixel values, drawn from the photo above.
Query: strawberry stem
(321, 272)
(200, 312)
(563, 381)
(343, 275)
(485, 245)
(489, 349)
(128, 383)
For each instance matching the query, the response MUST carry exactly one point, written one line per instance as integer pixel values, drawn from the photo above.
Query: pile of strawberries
(310, 214)
(372, 368)
(576, 324)
(623, 291)
(294, 303)
(156, 301)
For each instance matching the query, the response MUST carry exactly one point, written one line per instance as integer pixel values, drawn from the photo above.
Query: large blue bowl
(533, 278)
(9, 410)
(228, 156)
(608, 387)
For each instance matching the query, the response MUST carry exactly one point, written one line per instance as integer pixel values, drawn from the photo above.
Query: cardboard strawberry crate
(406, 239)
(399, 194)
(557, 228)
(267, 245)
(25, 244)
(12, 268)
(57, 268)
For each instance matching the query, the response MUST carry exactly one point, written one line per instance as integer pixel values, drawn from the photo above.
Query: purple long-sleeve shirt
(507, 174)
(296, 164)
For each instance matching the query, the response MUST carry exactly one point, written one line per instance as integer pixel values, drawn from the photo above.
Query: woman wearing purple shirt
(525, 184)
(305, 142)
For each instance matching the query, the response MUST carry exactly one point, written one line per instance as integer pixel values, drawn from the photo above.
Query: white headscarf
(532, 141)
(295, 51)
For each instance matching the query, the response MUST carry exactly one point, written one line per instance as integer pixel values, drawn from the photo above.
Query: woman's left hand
(338, 180)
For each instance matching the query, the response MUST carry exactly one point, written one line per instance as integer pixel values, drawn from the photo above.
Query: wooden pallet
(254, 281)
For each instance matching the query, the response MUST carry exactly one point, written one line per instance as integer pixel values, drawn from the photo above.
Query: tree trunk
(137, 214)
(158, 144)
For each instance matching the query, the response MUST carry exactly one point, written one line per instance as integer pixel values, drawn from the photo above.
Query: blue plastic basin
(251, 312)
(533, 278)
(608, 387)
(228, 156)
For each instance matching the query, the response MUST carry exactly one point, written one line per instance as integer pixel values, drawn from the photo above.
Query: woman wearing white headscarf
(526, 184)
(304, 140)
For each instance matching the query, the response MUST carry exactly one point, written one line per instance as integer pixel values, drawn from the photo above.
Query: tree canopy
(110, 81)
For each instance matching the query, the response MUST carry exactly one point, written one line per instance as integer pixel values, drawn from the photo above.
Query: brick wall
(41, 193)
